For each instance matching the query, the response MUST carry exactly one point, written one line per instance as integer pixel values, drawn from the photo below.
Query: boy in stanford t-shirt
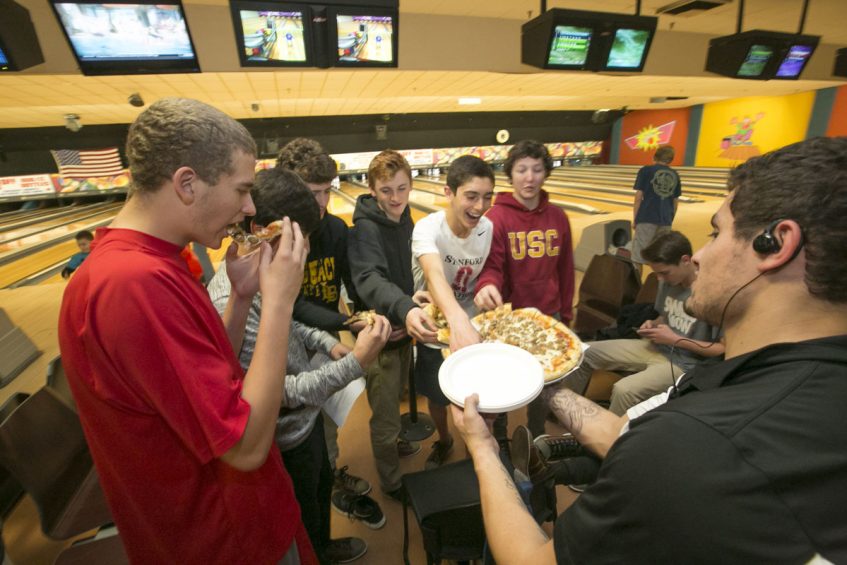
(449, 249)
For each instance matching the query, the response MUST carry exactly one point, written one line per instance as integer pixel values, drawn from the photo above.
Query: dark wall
(27, 150)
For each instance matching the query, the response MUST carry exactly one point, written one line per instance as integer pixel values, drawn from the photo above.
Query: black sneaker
(552, 448)
(440, 452)
(407, 448)
(345, 550)
(351, 483)
(358, 507)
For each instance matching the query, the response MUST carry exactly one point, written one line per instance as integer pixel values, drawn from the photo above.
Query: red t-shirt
(158, 389)
(531, 256)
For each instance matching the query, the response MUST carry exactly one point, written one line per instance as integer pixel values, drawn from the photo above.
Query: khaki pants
(652, 370)
(385, 379)
(644, 236)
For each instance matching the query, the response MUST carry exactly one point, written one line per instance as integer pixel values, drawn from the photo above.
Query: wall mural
(644, 131)
(739, 146)
(732, 131)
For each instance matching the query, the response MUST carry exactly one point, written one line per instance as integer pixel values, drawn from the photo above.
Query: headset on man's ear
(767, 243)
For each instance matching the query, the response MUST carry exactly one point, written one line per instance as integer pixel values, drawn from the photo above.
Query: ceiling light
(469, 101)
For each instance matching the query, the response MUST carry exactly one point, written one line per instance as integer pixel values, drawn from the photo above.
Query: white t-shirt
(461, 258)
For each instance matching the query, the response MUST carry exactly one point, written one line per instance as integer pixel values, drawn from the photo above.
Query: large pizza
(550, 341)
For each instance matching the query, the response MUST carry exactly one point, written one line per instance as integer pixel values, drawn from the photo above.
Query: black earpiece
(766, 243)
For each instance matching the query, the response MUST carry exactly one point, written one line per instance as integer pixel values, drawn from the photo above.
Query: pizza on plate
(555, 346)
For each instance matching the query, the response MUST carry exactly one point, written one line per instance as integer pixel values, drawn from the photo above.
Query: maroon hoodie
(531, 257)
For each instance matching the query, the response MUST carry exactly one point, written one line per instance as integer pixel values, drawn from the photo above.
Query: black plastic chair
(43, 448)
(447, 507)
(57, 381)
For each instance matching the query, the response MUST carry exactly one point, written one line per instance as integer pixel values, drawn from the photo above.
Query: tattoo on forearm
(573, 410)
(510, 484)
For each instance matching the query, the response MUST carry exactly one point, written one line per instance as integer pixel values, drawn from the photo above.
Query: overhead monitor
(840, 67)
(273, 34)
(363, 36)
(570, 46)
(756, 60)
(794, 62)
(591, 41)
(128, 37)
(19, 47)
(761, 55)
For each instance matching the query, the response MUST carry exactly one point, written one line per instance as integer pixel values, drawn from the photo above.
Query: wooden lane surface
(36, 262)
(56, 228)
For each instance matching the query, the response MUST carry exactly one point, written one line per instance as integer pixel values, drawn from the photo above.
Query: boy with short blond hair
(381, 263)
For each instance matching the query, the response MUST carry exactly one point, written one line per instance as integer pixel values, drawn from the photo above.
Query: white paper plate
(505, 377)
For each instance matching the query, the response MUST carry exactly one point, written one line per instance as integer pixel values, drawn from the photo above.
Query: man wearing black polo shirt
(744, 461)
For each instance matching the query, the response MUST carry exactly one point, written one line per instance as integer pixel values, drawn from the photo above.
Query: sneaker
(345, 550)
(358, 507)
(351, 483)
(440, 451)
(563, 446)
(408, 448)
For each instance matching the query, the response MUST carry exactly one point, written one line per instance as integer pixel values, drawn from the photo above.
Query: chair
(447, 507)
(57, 381)
(11, 490)
(649, 290)
(43, 448)
(609, 283)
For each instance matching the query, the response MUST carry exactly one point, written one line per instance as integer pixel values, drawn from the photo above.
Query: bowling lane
(52, 226)
(89, 223)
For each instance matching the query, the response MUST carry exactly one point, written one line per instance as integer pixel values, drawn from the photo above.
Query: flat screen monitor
(756, 60)
(794, 62)
(363, 37)
(587, 41)
(629, 49)
(272, 34)
(128, 37)
(569, 46)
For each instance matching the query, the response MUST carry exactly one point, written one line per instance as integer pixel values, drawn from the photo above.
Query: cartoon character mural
(739, 146)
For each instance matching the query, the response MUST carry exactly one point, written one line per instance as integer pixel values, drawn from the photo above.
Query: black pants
(308, 465)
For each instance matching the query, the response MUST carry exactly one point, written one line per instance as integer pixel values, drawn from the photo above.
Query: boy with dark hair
(742, 458)
(657, 192)
(449, 249)
(326, 268)
(83, 241)
(182, 438)
(381, 261)
(299, 432)
(662, 351)
(531, 258)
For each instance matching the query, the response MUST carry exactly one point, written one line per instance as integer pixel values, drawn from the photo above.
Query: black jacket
(326, 268)
(380, 254)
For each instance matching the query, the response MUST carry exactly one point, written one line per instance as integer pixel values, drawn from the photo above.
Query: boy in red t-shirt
(182, 439)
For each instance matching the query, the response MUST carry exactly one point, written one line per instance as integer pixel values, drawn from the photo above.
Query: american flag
(88, 163)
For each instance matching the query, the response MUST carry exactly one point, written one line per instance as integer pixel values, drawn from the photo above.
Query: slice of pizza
(250, 242)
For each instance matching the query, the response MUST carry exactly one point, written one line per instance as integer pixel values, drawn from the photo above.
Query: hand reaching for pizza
(422, 297)
(488, 298)
(338, 351)
(660, 334)
(243, 272)
(281, 272)
(463, 334)
(421, 326)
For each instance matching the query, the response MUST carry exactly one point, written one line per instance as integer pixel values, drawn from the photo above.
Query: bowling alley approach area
(624, 118)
